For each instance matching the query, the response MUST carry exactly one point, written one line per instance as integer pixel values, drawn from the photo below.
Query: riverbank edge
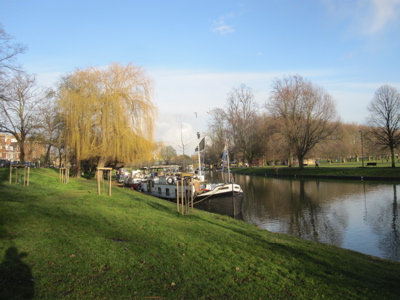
(328, 177)
(376, 174)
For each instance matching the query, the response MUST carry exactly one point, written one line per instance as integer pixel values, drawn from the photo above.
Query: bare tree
(8, 54)
(307, 112)
(18, 111)
(273, 146)
(384, 119)
(243, 122)
(184, 139)
(49, 129)
(217, 133)
(9, 51)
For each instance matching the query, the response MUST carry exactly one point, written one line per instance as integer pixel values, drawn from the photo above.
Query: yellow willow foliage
(109, 113)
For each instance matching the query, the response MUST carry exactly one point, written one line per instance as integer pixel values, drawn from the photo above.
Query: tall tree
(8, 54)
(48, 131)
(243, 122)
(273, 146)
(108, 114)
(184, 139)
(19, 108)
(307, 112)
(217, 134)
(384, 119)
(166, 153)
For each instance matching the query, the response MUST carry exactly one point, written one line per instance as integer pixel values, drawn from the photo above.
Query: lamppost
(362, 149)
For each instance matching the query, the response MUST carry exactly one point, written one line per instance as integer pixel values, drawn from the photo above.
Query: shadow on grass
(16, 280)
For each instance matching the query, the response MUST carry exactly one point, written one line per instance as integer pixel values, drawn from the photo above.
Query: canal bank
(329, 173)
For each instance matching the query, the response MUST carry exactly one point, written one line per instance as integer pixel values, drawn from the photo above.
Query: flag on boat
(201, 145)
(224, 158)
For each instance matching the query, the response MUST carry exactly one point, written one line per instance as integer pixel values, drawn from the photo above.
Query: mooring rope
(204, 198)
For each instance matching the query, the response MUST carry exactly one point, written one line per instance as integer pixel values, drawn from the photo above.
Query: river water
(359, 215)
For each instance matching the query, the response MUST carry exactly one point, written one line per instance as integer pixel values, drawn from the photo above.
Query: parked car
(4, 163)
(29, 164)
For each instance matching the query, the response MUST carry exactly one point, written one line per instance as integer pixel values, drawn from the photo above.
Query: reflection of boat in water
(228, 205)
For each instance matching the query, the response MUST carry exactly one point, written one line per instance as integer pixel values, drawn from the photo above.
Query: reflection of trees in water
(333, 212)
(385, 222)
(323, 210)
(309, 215)
(302, 208)
(15, 277)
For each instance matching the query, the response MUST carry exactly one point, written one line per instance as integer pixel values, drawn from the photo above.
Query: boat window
(167, 192)
(159, 190)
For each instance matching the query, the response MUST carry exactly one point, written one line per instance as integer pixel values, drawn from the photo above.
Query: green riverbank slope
(63, 241)
(349, 171)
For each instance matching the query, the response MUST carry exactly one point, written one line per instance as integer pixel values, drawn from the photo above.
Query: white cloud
(383, 13)
(221, 27)
(367, 17)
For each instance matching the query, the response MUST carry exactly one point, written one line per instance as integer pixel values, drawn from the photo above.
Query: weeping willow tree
(108, 114)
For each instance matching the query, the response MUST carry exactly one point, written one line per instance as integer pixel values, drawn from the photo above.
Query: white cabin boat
(167, 186)
(170, 186)
(134, 179)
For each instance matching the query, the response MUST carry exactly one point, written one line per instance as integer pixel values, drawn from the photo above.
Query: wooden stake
(183, 201)
(177, 195)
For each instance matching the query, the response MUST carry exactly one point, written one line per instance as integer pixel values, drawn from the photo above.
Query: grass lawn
(383, 170)
(63, 241)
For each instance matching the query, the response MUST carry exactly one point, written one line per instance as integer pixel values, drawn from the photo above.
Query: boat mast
(198, 146)
(227, 160)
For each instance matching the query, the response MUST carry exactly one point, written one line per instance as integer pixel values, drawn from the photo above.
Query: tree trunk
(290, 162)
(48, 155)
(21, 151)
(393, 158)
(301, 162)
(100, 164)
(78, 169)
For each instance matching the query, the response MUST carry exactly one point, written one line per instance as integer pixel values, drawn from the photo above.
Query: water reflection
(362, 216)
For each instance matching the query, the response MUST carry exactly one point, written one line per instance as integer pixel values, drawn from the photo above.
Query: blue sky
(198, 50)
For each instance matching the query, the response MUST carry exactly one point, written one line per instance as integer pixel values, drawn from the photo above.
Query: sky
(197, 51)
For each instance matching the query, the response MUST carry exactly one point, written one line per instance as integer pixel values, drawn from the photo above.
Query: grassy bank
(63, 241)
(344, 170)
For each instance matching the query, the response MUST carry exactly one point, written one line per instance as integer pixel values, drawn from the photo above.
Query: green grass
(63, 241)
(343, 170)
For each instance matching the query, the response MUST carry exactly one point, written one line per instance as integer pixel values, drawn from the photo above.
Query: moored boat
(171, 185)
(134, 179)
(216, 190)
(167, 182)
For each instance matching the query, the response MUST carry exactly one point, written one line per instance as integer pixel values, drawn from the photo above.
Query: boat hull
(228, 206)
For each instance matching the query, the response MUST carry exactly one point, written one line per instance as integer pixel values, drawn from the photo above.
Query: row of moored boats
(168, 183)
